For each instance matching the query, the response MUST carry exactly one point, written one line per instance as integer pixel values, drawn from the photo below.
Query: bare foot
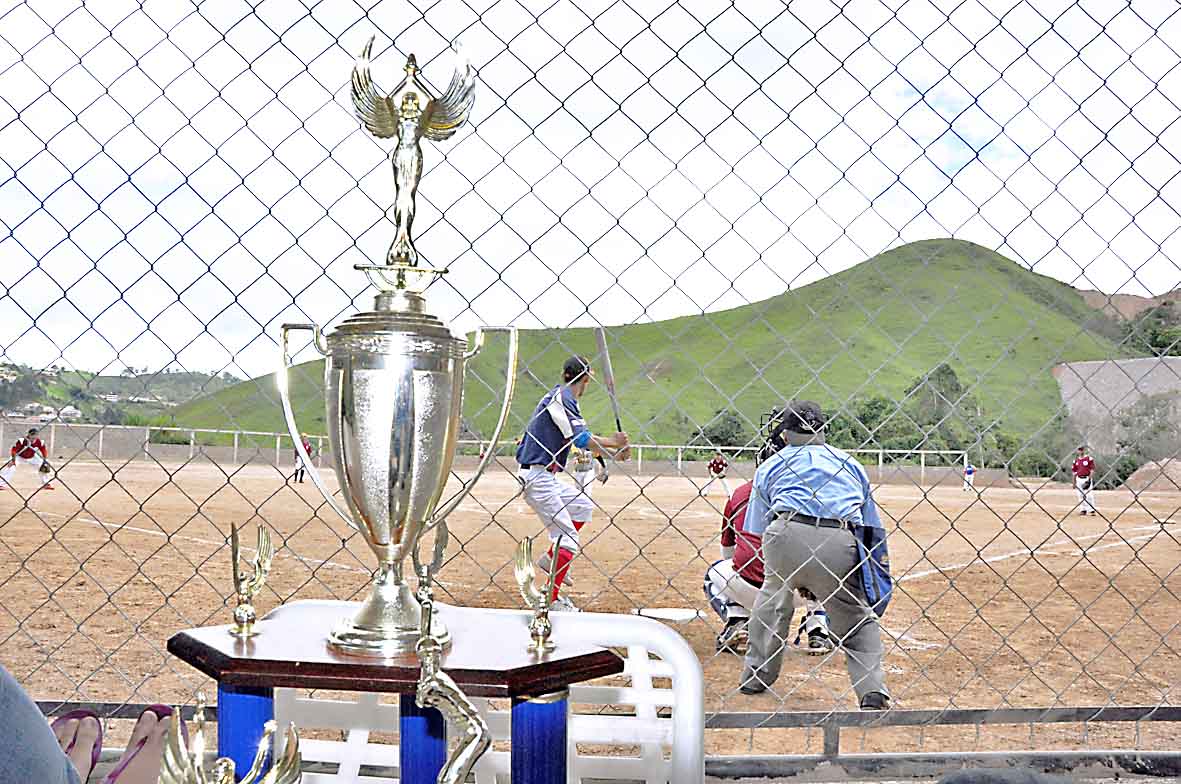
(141, 762)
(77, 738)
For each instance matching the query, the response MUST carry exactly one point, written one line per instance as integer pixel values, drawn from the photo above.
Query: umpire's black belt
(819, 522)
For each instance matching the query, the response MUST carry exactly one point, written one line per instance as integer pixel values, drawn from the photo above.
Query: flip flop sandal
(80, 714)
(162, 712)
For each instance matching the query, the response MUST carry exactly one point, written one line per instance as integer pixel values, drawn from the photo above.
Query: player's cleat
(819, 643)
(563, 604)
(752, 687)
(876, 701)
(734, 637)
(48, 487)
(543, 565)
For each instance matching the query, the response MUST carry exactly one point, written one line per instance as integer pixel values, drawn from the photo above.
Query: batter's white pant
(557, 503)
(738, 595)
(1086, 495)
(969, 482)
(35, 461)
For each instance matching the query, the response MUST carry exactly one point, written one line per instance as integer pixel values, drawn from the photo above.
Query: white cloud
(171, 168)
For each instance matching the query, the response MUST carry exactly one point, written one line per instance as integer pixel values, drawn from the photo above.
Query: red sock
(564, 558)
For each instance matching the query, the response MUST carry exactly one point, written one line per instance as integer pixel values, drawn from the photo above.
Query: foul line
(1031, 551)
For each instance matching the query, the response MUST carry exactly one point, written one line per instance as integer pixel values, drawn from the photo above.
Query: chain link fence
(952, 225)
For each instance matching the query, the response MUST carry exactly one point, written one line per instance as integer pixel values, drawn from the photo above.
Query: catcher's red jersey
(26, 449)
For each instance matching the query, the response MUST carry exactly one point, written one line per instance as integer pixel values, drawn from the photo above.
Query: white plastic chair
(671, 749)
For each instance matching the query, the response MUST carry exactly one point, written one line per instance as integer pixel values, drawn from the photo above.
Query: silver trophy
(393, 379)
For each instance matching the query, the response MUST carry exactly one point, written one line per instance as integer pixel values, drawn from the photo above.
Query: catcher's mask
(797, 416)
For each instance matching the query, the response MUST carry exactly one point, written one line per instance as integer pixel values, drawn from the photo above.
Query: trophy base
(388, 623)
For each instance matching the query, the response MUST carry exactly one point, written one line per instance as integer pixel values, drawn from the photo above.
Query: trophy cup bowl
(393, 381)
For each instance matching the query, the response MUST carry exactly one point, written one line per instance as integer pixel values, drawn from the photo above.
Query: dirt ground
(1005, 599)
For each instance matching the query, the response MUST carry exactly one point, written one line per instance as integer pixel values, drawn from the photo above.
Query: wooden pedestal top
(487, 656)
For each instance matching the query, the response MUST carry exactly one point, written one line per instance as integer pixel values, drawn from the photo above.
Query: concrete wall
(1096, 392)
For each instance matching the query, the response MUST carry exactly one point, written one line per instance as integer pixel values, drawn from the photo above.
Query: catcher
(31, 450)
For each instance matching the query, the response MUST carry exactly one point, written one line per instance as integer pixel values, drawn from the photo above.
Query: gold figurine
(182, 762)
(436, 689)
(536, 598)
(410, 112)
(246, 589)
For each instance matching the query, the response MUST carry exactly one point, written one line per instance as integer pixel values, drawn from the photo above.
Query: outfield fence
(880, 206)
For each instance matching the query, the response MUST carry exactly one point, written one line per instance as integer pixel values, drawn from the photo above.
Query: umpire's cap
(574, 368)
(796, 416)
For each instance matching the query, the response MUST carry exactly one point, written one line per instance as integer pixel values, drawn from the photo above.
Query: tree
(726, 428)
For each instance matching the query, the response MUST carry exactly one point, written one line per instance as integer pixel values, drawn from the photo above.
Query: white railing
(97, 441)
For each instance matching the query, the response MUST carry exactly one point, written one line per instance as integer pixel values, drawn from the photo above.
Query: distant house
(70, 413)
(109, 398)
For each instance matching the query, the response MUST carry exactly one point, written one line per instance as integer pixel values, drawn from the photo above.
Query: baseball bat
(608, 375)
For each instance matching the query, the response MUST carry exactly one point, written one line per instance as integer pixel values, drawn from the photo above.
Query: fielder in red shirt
(732, 583)
(1084, 470)
(31, 450)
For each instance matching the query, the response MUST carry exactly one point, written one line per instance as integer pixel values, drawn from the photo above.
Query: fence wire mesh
(952, 224)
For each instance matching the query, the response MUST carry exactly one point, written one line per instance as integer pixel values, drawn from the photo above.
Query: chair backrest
(612, 720)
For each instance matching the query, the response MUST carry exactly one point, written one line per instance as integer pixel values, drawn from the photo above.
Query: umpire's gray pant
(797, 555)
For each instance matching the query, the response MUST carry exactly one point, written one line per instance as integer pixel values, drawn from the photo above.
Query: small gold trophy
(436, 689)
(537, 599)
(246, 589)
(183, 763)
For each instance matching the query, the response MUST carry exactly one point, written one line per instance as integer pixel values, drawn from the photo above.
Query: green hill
(869, 330)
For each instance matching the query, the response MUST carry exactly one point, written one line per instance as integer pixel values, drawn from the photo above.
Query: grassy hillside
(869, 330)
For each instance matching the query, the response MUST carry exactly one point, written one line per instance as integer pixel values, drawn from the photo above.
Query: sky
(181, 178)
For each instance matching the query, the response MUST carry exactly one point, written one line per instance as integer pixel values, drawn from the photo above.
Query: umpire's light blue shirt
(815, 479)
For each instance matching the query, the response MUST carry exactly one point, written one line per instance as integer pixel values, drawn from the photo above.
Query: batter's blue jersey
(555, 425)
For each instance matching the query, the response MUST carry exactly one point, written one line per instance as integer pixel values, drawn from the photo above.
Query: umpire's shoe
(875, 701)
(734, 637)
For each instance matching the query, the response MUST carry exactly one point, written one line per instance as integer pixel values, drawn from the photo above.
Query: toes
(143, 726)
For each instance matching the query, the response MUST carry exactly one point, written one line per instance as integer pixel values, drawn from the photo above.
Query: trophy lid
(397, 311)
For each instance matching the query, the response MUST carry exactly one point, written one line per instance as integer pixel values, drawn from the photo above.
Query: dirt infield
(1005, 599)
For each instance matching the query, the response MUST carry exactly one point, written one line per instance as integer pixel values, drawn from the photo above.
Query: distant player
(555, 427)
(299, 466)
(732, 584)
(31, 450)
(969, 478)
(717, 472)
(1083, 471)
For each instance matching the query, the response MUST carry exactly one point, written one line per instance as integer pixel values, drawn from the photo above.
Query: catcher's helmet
(796, 416)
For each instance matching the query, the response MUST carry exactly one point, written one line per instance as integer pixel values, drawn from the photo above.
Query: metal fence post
(147, 440)
(639, 461)
(678, 460)
(52, 437)
(192, 444)
(235, 460)
(102, 429)
(923, 468)
(277, 458)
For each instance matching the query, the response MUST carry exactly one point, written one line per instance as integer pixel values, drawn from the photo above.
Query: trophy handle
(289, 414)
(510, 385)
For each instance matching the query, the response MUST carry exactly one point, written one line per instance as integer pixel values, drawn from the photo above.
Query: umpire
(822, 534)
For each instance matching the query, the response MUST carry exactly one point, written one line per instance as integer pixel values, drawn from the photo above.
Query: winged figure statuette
(246, 587)
(410, 113)
(182, 762)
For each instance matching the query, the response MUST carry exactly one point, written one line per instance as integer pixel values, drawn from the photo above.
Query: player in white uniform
(587, 468)
(555, 427)
(29, 450)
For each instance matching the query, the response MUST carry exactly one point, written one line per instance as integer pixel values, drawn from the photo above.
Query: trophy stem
(388, 623)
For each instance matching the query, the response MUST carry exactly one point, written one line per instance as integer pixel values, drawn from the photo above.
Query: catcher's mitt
(45, 469)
